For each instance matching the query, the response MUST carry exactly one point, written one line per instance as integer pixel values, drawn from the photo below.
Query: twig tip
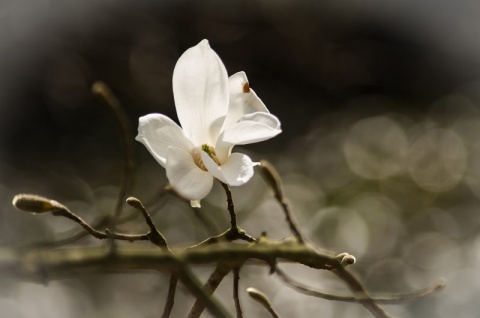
(258, 296)
(346, 259)
(134, 202)
(99, 87)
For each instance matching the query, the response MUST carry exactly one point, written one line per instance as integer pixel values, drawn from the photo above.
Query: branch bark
(61, 262)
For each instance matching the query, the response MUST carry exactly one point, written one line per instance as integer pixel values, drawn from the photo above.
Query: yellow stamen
(197, 158)
(211, 152)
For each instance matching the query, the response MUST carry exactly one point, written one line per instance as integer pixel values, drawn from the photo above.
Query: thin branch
(203, 297)
(273, 179)
(95, 233)
(74, 235)
(37, 204)
(172, 287)
(154, 235)
(386, 299)
(221, 270)
(236, 298)
(101, 89)
(229, 235)
(230, 206)
(360, 292)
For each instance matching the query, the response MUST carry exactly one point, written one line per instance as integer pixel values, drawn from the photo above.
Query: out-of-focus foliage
(380, 150)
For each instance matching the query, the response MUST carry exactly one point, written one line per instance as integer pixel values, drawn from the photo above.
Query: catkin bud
(259, 296)
(135, 203)
(33, 203)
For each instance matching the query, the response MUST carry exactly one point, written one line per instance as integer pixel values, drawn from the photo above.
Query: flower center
(197, 158)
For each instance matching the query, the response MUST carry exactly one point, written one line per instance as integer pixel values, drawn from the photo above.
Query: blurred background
(380, 152)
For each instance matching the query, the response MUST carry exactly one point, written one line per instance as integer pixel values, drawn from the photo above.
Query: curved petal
(237, 170)
(249, 129)
(158, 132)
(252, 128)
(243, 100)
(200, 89)
(185, 176)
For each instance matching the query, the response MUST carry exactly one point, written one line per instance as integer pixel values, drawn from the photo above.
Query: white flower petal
(243, 99)
(158, 132)
(200, 88)
(185, 176)
(251, 128)
(212, 167)
(236, 171)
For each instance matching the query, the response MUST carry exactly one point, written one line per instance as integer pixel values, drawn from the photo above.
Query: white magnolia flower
(216, 112)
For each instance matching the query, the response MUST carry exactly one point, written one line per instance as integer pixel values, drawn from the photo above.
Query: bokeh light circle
(376, 148)
(437, 160)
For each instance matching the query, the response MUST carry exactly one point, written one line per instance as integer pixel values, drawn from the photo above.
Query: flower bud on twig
(34, 203)
(346, 259)
(262, 299)
(135, 203)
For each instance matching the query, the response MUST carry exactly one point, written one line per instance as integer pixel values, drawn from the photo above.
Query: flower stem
(230, 206)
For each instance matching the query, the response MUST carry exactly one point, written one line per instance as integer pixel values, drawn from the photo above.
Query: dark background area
(304, 57)
(379, 104)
